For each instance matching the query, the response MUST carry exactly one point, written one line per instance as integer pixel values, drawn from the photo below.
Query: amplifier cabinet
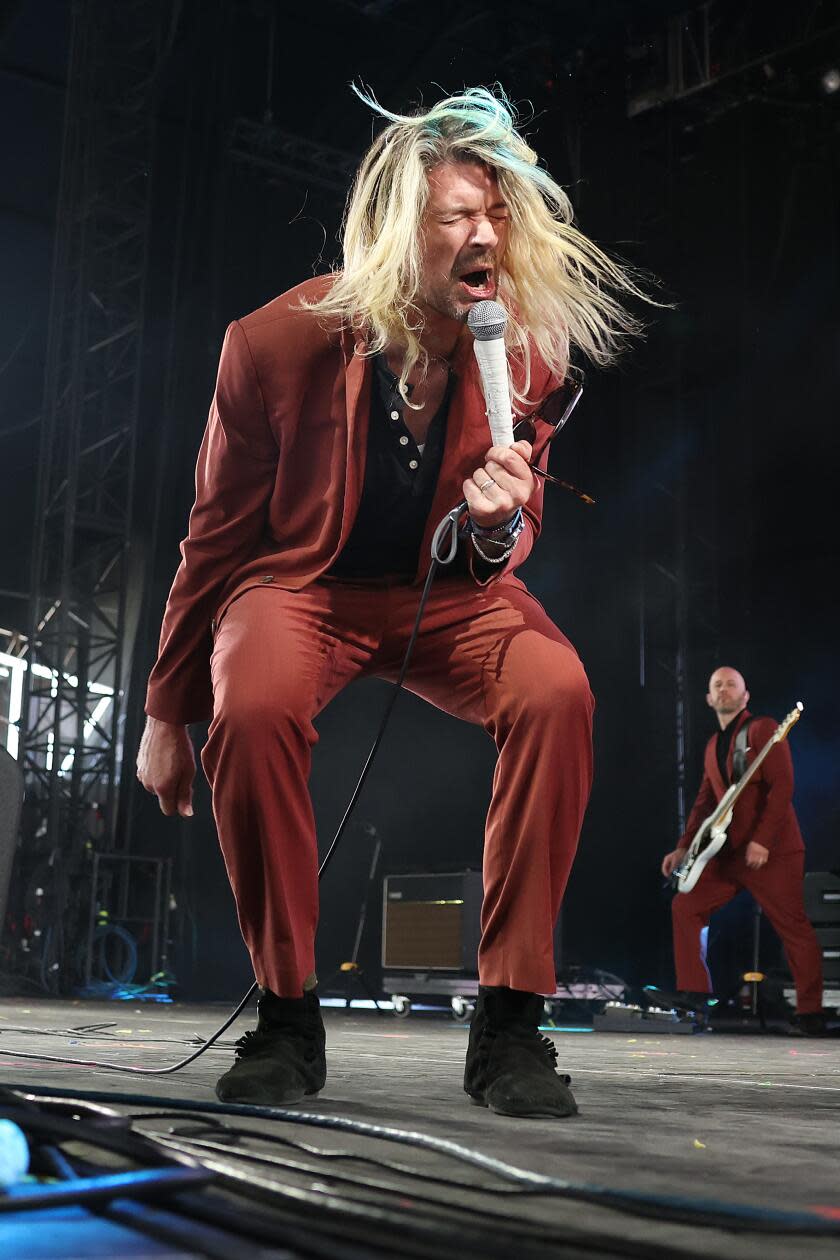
(822, 897)
(822, 906)
(829, 939)
(432, 922)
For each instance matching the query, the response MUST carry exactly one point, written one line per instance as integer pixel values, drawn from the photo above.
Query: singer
(348, 418)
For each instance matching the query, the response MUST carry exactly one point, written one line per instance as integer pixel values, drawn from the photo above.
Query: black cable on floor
(279, 1227)
(353, 1218)
(678, 1210)
(180, 1221)
(136, 1071)
(675, 1208)
(539, 1231)
(326, 1215)
(330, 1220)
(211, 1125)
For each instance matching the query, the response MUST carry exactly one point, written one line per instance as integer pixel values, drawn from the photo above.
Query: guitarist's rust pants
(777, 887)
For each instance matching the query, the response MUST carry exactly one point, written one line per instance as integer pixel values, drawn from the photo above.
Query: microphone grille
(487, 320)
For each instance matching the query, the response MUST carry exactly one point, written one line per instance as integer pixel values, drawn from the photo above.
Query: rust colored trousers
(489, 655)
(777, 887)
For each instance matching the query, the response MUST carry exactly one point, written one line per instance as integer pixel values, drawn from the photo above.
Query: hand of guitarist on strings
(671, 861)
(756, 855)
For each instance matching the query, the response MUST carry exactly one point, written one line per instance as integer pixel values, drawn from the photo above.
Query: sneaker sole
(264, 1100)
(536, 1115)
(544, 1114)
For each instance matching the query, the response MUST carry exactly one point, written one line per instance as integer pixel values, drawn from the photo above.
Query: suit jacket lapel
(358, 382)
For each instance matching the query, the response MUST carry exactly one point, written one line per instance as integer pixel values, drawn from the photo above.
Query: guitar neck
(729, 801)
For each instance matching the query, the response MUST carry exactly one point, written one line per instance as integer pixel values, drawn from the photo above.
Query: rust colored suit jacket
(280, 475)
(764, 811)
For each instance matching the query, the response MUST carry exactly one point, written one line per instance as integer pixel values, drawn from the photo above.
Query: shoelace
(548, 1046)
(530, 1036)
(255, 1038)
(247, 1044)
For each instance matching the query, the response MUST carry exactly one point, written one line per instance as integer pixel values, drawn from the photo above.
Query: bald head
(727, 695)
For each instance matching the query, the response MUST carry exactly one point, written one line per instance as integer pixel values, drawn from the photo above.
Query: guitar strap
(739, 755)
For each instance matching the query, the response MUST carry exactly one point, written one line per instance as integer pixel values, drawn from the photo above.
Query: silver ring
(488, 482)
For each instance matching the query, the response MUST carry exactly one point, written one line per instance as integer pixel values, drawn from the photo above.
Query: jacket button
(268, 577)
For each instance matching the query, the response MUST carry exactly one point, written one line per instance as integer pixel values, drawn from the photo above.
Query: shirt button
(412, 463)
(403, 441)
(395, 415)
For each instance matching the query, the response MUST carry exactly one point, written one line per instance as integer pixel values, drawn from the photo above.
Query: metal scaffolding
(678, 594)
(291, 158)
(726, 53)
(72, 703)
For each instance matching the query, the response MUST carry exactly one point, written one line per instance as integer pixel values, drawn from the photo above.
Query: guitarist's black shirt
(724, 743)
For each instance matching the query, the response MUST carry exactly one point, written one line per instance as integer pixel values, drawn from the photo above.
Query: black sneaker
(283, 1060)
(812, 1024)
(510, 1066)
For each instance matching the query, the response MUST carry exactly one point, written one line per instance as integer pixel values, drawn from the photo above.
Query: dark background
(711, 450)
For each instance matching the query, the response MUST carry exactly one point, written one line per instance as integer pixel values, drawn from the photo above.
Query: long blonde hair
(558, 287)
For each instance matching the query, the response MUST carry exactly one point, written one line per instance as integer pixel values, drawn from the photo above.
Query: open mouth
(480, 283)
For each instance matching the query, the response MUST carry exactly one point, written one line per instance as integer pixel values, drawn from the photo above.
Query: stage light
(89, 727)
(14, 668)
(830, 80)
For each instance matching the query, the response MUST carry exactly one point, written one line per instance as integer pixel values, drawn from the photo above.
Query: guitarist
(763, 852)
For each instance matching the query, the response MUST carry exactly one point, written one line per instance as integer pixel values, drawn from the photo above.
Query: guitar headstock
(787, 722)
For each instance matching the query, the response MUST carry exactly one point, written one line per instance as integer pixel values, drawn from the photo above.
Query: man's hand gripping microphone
(496, 492)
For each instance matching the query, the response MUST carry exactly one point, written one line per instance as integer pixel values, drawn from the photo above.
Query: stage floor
(749, 1120)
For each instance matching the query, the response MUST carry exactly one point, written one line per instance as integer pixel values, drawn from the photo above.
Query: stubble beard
(445, 303)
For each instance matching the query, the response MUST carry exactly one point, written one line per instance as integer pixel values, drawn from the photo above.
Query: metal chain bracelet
(508, 545)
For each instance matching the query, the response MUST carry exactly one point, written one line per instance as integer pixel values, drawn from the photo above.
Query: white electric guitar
(710, 836)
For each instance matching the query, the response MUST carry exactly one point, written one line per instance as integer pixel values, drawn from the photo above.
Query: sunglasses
(554, 410)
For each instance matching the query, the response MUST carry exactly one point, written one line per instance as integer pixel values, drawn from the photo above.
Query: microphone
(486, 322)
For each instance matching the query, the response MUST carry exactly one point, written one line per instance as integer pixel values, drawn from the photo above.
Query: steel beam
(72, 708)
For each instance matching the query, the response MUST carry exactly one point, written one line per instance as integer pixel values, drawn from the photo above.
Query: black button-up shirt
(399, 486)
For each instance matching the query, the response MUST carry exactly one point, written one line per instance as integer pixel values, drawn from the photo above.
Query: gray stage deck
(747, 1119)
